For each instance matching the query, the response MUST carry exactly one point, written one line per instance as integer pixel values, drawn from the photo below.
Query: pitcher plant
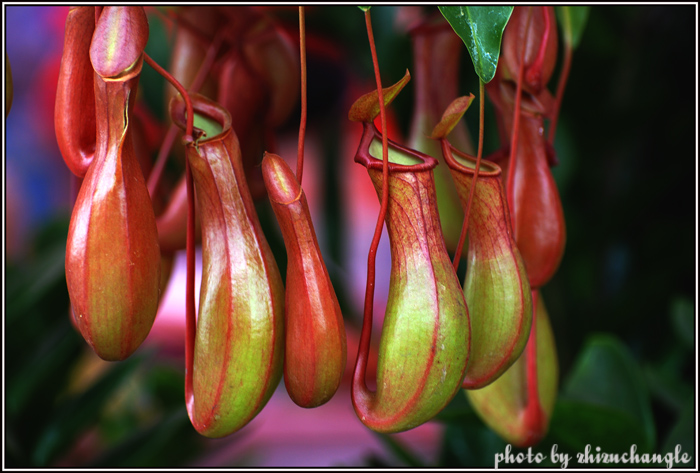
(236, 79)
(112, 253)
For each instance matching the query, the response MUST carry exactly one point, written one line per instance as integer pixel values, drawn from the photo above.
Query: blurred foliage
(628, 164)
(573, 23)
(65, 406)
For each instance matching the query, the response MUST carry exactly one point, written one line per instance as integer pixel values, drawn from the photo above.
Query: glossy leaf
(573, 21)
(481, 29)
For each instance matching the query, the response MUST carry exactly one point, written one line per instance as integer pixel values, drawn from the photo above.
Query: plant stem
(181, 89)
(533, 408)
(169, 140)
(302, 121)
(563, 77)
(159, 165)
(190, 311)
(465, 224)
(190, 314)
(363, 350)
(516, 119)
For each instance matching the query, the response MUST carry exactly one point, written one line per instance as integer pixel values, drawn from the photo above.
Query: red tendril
(465, 224)
(190, 314)
(363, 350)
(190, 311)
(302, 121)
(169, 140)
(516, 119)
(181, 89)
(563, 77)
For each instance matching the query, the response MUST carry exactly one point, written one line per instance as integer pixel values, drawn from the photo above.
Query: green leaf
(364, 8)
(665, 385)
(39, 280)
(606, 375)
(573, 21)
(481, 29)
(471, 444)
(576, 424)
(73, 416)
(683, 433)
(44, 369)
(683, 318)
(170, 439)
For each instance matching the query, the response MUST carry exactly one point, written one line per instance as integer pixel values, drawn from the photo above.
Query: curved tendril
(516, 118)
(465, 224)
(302, 121)
(533, 405)
(563, 78)
(181, 89)
(190, 313)
(169, 140)
(159, 165)
(538, 63)
(363, 351)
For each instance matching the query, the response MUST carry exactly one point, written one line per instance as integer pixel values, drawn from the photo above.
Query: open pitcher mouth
(401, 159)
(211, 120)
(463, 162)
